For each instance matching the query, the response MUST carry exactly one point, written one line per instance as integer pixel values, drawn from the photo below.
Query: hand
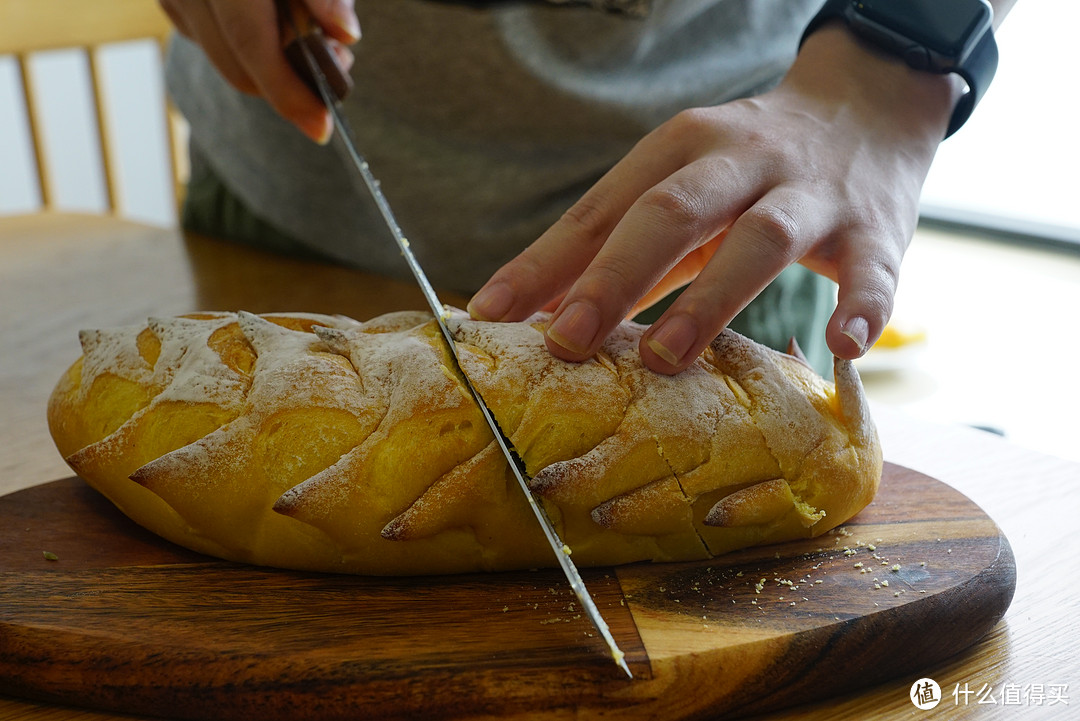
(243, 40)
(825, 170)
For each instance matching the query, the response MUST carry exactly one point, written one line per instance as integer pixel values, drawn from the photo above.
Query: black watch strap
(977, 69)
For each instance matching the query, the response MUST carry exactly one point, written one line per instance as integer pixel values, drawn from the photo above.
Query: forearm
(847, 79)
(839, 65)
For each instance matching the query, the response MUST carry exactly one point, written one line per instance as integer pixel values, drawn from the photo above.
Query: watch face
(946, 27)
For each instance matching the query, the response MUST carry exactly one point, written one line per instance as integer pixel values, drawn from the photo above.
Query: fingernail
(673, 338)
(325, 130)
(345, 57)
(345, 18)
(491, 303)
(576, 327)
(858, 330)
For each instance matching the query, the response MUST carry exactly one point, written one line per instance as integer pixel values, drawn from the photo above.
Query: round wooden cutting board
(96, 612)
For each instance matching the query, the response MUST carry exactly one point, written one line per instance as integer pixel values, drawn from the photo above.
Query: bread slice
(322, 443)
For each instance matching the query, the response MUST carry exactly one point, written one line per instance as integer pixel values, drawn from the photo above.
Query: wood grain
(64, 272)
(126, 622)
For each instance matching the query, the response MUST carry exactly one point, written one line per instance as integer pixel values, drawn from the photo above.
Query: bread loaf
(322, 443)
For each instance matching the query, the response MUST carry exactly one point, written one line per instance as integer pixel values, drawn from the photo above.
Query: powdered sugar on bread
(324, 443)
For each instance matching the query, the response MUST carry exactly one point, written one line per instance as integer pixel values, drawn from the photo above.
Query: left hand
(825, 170)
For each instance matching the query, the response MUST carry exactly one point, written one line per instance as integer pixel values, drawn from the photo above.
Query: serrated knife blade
(303, 49)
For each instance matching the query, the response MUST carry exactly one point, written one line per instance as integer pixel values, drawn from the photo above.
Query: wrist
(844, 70)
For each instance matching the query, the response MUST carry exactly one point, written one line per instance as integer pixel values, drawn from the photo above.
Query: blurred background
(985, 332)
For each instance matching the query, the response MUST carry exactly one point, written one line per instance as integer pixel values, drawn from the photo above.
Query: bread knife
(307, 50)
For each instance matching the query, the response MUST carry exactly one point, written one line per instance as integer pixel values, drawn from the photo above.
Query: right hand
(242, 40)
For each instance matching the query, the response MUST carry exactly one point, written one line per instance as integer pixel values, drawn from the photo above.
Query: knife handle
(298, 27)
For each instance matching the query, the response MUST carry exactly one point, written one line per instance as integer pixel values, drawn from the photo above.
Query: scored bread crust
(321, 443)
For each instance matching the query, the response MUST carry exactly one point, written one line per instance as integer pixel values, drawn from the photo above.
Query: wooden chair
(30, 26)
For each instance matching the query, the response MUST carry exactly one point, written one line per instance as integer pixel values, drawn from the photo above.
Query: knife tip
(620, 660)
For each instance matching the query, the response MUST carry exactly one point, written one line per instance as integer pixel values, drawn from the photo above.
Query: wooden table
(62, 273)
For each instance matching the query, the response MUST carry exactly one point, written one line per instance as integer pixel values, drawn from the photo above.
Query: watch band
(977, 69)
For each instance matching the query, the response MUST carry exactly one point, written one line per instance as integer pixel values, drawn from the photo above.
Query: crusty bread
(321, 443)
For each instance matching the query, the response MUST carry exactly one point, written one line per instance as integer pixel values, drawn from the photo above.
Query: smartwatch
(938, 36)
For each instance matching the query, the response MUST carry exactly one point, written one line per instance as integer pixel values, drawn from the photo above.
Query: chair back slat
(33, 122)
(32, 26)
(35, 25)
(101, 118)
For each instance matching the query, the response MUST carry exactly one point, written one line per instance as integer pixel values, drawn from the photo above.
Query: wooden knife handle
(297, 28)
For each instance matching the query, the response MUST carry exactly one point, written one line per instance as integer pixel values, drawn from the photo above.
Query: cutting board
(118, 619)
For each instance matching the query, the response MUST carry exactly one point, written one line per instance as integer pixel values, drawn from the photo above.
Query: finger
(201, 25)
(767, 238)
(546, 269)
(868, 281)
(177, 17)
(343, 55)
(253, 34)
(337, 18)
(662, 227)
(684, 272)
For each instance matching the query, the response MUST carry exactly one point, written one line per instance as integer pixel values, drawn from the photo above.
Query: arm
(825, 170)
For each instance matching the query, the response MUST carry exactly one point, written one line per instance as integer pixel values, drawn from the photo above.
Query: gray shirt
(483, 121)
